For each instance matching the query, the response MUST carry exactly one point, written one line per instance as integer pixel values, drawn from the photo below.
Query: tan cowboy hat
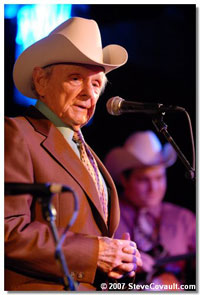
(77, 40)
(141, 149)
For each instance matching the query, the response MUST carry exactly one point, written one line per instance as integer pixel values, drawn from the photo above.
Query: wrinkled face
(145, 187)
(70, 91)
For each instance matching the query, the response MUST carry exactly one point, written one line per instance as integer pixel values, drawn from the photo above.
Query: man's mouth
(82, 107)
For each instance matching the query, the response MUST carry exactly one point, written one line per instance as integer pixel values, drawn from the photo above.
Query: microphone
(117, 106)
(39, 189)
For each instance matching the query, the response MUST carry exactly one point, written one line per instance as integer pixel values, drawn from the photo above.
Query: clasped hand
(118, 257)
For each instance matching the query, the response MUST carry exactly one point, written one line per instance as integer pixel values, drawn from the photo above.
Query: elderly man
(66, 73)
(160, 229)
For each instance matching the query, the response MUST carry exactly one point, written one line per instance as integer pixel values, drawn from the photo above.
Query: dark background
(160, 40)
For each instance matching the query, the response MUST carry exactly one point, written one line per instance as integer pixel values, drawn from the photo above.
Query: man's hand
(118, 257)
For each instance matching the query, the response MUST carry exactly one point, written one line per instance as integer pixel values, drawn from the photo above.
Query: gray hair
(48, 71)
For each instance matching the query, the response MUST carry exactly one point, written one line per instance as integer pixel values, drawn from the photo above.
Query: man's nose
(87, 90)
(153, 185)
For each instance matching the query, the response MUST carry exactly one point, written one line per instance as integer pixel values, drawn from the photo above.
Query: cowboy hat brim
(119, 160)
(57, 48)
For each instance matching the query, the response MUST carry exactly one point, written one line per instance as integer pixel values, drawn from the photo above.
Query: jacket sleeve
(29, 245)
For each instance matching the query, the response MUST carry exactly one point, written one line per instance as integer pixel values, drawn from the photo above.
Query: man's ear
(40, 80)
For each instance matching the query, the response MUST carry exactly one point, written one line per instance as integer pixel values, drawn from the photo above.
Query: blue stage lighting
(34, 22)
(10, 10)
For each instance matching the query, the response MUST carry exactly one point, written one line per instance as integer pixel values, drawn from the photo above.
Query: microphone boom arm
(162, 128)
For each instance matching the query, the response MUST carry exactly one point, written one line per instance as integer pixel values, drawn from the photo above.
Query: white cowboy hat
(141, 149)
(77, 40)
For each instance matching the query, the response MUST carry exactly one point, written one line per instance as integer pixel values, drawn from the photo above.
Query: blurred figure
(162, 231)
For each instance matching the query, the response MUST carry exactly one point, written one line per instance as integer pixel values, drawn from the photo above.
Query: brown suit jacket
(36, 152)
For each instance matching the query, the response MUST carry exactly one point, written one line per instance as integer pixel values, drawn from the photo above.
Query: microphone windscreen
(113, 105)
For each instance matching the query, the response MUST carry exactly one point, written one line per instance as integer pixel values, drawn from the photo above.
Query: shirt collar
(49, 114)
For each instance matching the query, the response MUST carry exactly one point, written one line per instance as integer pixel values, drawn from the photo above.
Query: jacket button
(80, 275)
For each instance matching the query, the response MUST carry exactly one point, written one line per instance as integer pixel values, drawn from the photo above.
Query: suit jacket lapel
(61, 151)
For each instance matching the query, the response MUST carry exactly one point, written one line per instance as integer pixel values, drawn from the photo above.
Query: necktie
(90, 163)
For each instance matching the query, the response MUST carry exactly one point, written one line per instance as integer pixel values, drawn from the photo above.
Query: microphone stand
(162, 128)
(49, 213)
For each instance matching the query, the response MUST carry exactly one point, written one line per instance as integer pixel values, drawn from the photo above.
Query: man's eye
(142, 179)
(76, 80)
(96, 84)
(160, 178)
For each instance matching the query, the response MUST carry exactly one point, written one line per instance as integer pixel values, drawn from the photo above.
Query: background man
(66, 73)
(159, 228)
